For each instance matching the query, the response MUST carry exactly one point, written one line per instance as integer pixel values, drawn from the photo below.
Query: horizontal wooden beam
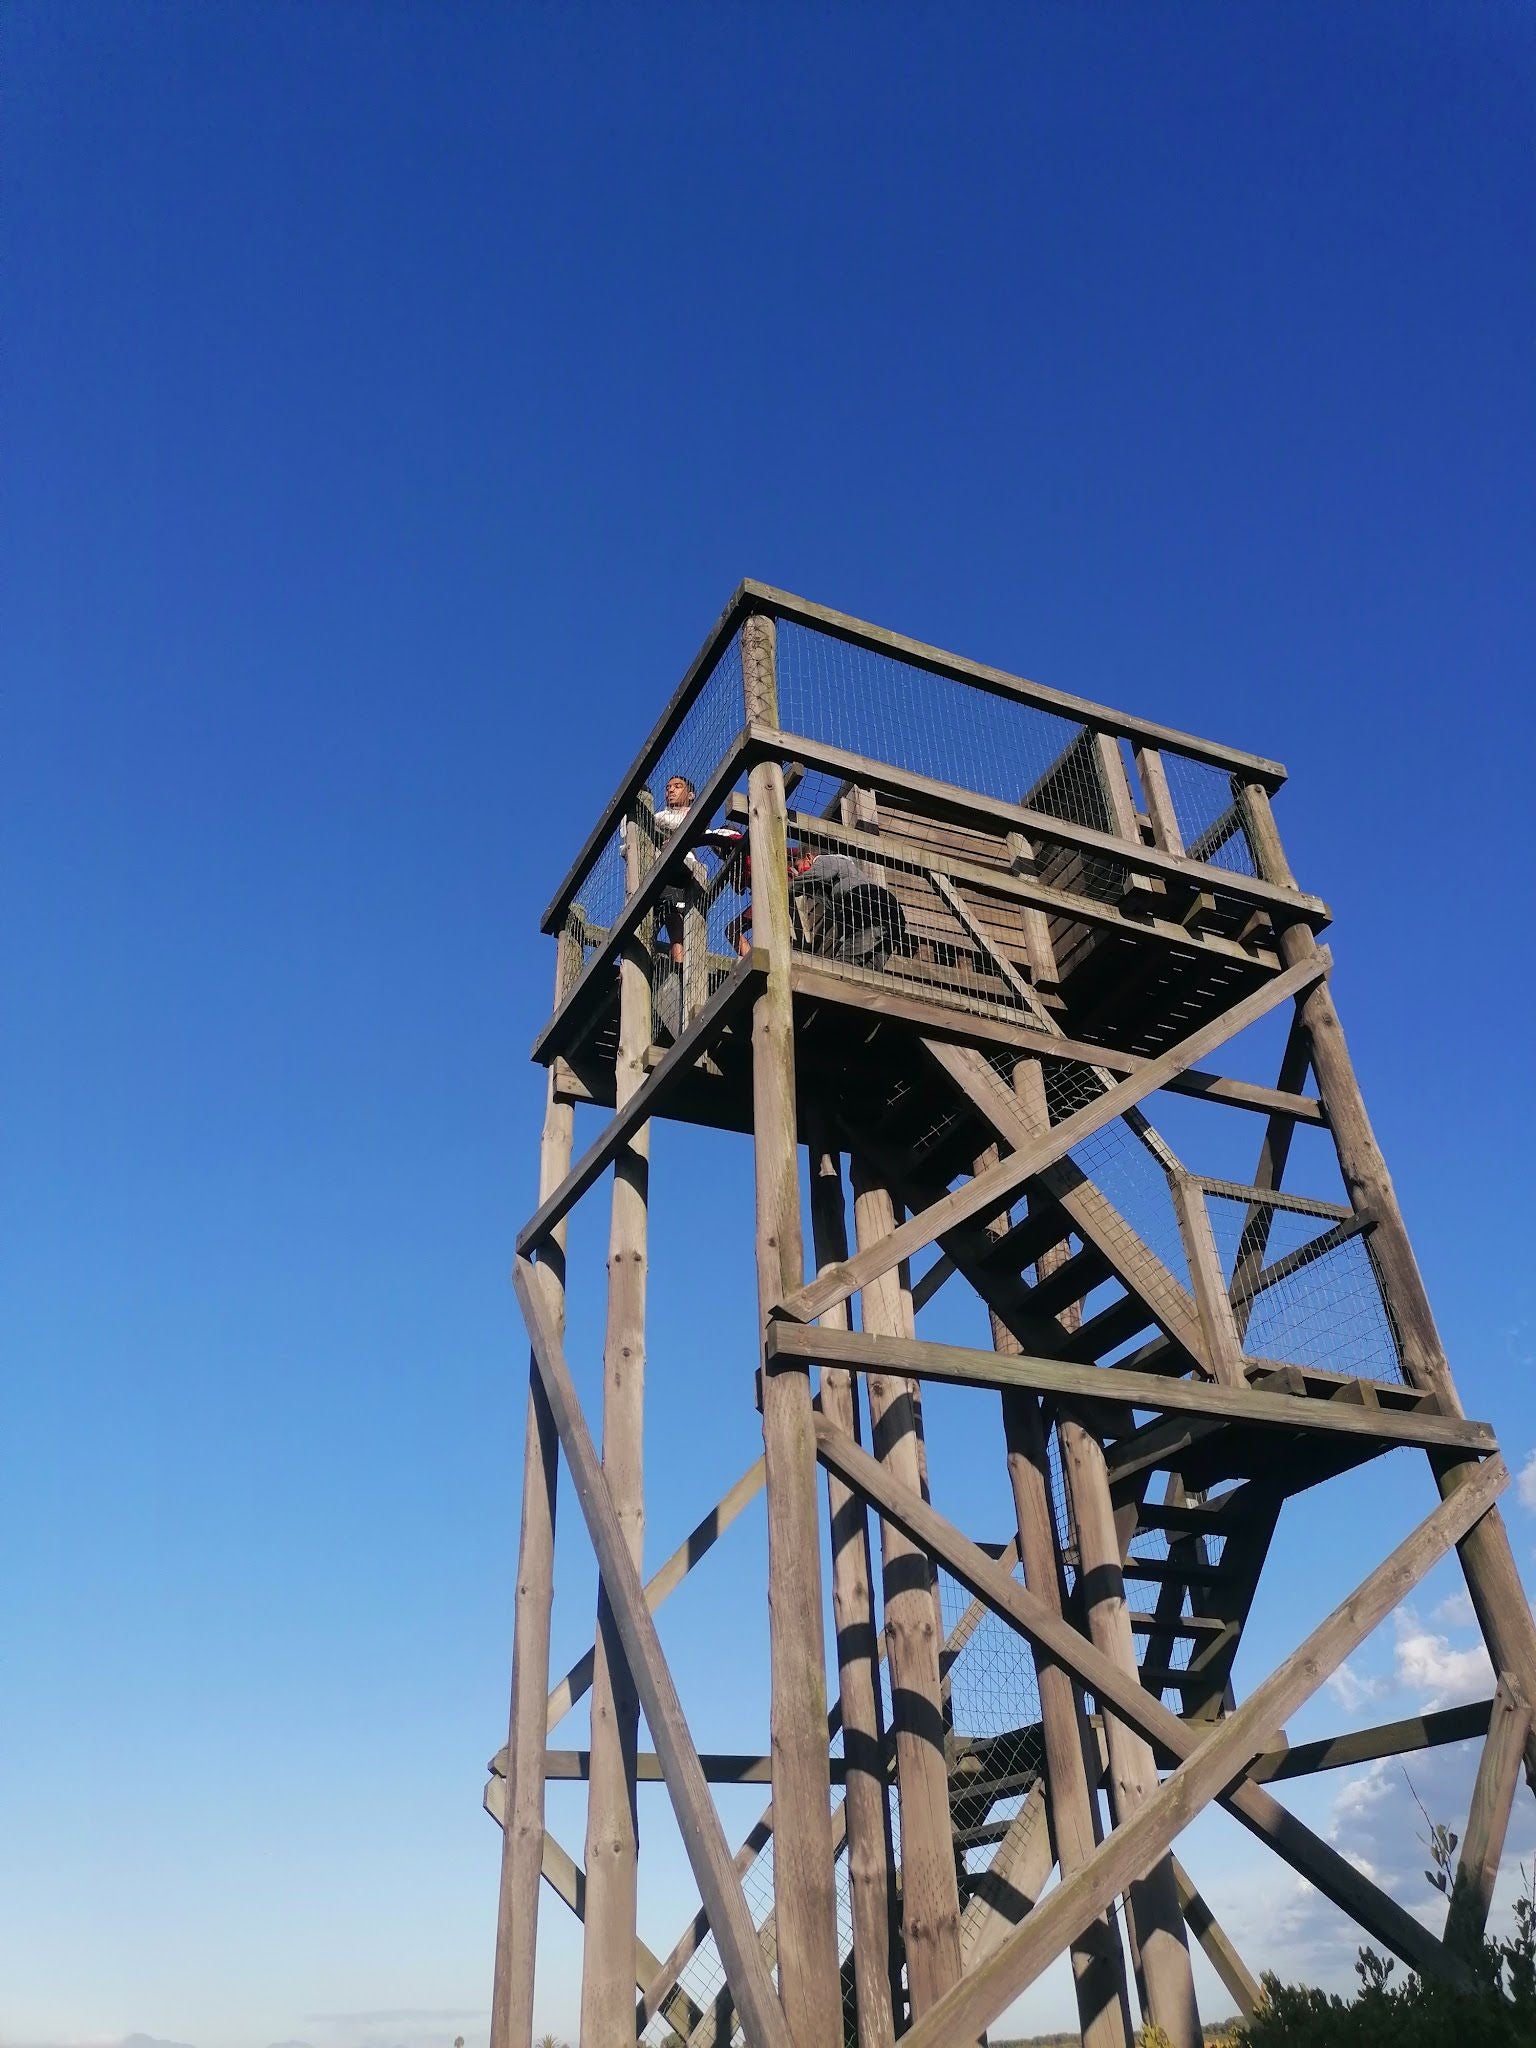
(987, 1191)
(1122, 1693)
(698, 1822)
(1365, 1745)
(825, 981)
(948, 799)
(917, 1358)
(1028, 893)
(720, 1767)
(642, 1105)
(918, 654)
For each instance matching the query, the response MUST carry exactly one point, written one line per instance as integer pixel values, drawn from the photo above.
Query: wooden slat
(1223, 1344)
(987, 1191)
(919, 1358)
(698, 1822)
(1365, 1745)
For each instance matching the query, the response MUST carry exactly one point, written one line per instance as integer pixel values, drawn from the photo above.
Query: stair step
(1169, 1571)
(1185, 1519)
(1164, 1678)
(1195, 1626)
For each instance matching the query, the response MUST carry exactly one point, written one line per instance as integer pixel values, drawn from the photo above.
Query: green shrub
(1499, 2013)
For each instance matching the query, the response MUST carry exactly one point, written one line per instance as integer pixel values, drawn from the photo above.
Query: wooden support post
(522, 1835)
(1493, 1579)
(1498, 1772)
(866, 1805)
(930, 1894)
(1160, 807)
(1224, 1347)
(1224, 1959)
(612, 1850)
(805, 1899)
(698, 1822)
(1168, 1984)
(1098, 1960)
(1213, 1766)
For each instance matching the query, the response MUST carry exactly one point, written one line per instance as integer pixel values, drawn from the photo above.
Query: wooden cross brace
(1210, 1766)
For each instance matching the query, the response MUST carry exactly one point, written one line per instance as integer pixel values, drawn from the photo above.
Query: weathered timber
(697, 1820)
(1482, 1846)
(612, 1850)
(805, 1904)
(1313, 1858)
(1239, 1980)
(643, 1103)
(871, 1862)
(522, 1835)
(930, 1899)
(1167, 1983)
(1493, 1580)
(986, 1192)
(1098, 1964)
(920, 1358)
(824, 982)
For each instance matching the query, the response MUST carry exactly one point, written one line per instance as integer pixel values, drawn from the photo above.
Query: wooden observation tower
(993, 933)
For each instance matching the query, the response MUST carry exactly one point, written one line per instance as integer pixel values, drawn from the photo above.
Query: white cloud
(1425, 1663)
(1351, 1690)
(1456, 1611)
(1525, 1485)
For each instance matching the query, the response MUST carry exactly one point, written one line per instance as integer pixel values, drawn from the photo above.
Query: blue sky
(393, 395)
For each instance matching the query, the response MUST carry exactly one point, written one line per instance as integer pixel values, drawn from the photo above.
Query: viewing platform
(969, 852)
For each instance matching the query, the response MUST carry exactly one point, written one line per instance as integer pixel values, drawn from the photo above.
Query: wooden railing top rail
(751, 596)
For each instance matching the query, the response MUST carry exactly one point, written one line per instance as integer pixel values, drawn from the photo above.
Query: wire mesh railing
(902, 716)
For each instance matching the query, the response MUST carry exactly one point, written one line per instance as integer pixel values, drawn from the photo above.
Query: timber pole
(522, 1834)
(930, 1892)
(805, 1896)
(1098, 1961)
(612, 1846)
(871, 1890)
(1487, 1561)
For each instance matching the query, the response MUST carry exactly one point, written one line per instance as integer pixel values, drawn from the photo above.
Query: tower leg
(522, 1835)
(866, 1801)
(1169, 1987)
(805, 1895)
(612, 1850)
(1098, 1961)
(1493, 1580)
(930, 1893)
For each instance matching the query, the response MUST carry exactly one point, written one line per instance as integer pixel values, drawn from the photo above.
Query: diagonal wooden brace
(988, 1190)
(1121, 1693)
(698, 1822)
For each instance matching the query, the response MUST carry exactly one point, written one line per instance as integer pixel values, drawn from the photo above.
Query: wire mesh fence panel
(1305, 1288)
(892, 710)
(1208, 809)
(669, 782)
(896, 922)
